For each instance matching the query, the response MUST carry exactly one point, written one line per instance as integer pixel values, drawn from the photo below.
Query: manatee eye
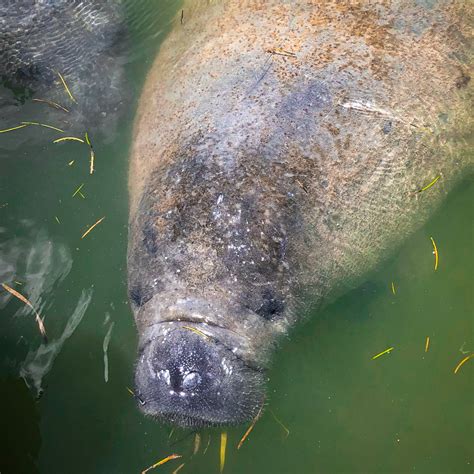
(191, 380)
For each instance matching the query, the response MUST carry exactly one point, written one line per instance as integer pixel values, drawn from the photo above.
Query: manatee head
(187, 378)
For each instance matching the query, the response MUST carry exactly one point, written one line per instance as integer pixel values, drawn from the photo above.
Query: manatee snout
(186, 378)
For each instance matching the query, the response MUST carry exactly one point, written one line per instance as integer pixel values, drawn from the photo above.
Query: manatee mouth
(186, 378)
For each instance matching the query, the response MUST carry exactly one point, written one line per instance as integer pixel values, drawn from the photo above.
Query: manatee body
(80, 39)
(277, 153)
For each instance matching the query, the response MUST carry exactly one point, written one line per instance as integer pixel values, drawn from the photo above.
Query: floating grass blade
(78, 190)
(386, 351)
(178, 468)
(428, 186)
(68, 139)
(427, 343)
(470, 356)
(197, 331)
(163, 461)
(91, 160)
(435, 252)
(287, 431)
(394, 291)
(51, 104)
(244, 437)
(94, 225)
(223, 450)
(197, 443)
(68, 91)
(105, 348)
(24, 300)
(23, 125)
(44, 125)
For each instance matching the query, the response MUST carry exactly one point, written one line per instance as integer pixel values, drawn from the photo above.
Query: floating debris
(18, 283)
(91, 160)
(78, 190)
(287, 431)
(71, 163)
(178, 468)
(68, 139)
(133, 394)
(13, 128)
(223, 450)
(182, 16)
(105, 347)
(197, 443)
(428, 186)
(282, 52)
(69, 93)
(394, 291)
(244, 437)
(461, 349)
(94, 225)
(427, 343)
(470, 356)
(163, 461)
(207, 445)
(197, 331)
(24, 300)
(435, 252)
(5, 204)
(44, 125)
(56, 218)
(51, 103)
(386, 351)
(92, 154)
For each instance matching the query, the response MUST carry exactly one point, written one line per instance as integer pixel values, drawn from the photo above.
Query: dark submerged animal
(80, 39)
(277, 153)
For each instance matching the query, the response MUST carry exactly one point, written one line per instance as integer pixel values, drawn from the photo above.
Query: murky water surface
(405, 411)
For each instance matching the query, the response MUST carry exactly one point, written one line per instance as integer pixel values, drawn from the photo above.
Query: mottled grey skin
(82, 40)
(264, 184)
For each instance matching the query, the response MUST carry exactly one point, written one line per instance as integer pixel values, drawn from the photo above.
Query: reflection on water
(404, 412)
(34, 262)
(40, 361)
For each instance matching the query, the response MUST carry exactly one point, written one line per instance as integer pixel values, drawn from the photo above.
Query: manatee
(83, 40)
(278, 155)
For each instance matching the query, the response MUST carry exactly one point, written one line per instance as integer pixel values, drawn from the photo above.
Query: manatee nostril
(191, 380)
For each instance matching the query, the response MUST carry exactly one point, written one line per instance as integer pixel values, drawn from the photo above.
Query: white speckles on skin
(165, 376)
(182, 394)
(226, 367)
(220, 199)
(171, 392)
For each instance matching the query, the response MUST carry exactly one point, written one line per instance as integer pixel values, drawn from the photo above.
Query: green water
(403, 412)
